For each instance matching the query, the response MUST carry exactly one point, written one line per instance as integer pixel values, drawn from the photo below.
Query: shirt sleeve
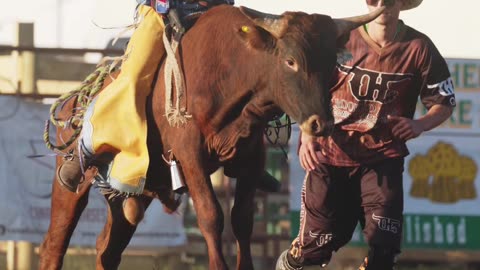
(437, 85)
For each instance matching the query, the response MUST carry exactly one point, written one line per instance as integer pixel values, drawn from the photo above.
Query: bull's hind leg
(115, 235)
(65, 212)
(242, 220)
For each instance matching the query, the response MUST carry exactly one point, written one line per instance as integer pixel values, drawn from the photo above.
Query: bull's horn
(346, 25)
(275, 24)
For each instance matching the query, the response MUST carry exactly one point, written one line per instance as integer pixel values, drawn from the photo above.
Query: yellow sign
(443, 175)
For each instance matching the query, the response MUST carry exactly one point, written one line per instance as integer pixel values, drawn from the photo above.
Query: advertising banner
(26, 183)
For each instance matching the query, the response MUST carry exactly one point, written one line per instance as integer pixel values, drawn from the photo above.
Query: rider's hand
(307, 153)
(405, 128)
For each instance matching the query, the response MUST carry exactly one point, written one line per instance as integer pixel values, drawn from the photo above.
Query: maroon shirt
(378, 82)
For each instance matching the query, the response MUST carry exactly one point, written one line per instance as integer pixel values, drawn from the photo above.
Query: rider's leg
(115, 121)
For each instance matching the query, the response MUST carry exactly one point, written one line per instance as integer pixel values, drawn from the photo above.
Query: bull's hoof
(133, 210)
(268, 183)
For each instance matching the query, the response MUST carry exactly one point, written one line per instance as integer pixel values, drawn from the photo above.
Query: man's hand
(308, 157)
(405, 128)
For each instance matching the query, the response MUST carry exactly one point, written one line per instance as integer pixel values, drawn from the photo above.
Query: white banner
(25, 187)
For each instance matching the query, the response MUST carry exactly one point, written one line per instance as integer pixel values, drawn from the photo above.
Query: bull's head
(304, 47)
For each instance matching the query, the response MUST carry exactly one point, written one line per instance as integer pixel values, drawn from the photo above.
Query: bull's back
(206, 56)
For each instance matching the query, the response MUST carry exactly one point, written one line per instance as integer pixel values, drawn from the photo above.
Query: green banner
(426, 231)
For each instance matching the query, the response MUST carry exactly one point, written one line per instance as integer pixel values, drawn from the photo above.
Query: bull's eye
(291, 64)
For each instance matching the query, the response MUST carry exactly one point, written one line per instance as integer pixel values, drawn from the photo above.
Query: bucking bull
(241, 67)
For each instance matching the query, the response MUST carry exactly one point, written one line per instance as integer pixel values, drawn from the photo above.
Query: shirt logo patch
(445, 88)
(369, 85)
(387, 224)
(322, 239)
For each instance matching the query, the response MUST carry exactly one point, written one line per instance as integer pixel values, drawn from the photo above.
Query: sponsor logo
(162, 6)
(387, 224)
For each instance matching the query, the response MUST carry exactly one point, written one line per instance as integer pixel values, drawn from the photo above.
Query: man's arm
(407, 129)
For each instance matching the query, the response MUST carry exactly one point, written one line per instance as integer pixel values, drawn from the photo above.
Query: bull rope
(176, 116)
(273, 129)
(84, 94)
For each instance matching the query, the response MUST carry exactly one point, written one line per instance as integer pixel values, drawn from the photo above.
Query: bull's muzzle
(315, 126)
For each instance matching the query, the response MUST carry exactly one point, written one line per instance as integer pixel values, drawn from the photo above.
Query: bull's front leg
(242, 220)
(207, 207)
(226, 140)
(251, 160)
(66, 208)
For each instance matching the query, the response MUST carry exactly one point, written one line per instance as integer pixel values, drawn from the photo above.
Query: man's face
(391, 12)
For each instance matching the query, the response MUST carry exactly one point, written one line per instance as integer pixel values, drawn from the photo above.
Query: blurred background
(48, 47)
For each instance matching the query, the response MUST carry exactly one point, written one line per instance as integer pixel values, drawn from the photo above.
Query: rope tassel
(176, 116)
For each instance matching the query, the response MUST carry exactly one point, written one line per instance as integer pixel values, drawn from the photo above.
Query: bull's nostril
(316, 126)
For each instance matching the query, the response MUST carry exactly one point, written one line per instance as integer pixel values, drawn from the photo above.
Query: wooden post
(24, 256)
(26, 60)
(11, 255)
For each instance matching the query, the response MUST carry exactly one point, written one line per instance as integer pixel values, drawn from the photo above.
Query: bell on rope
(178, 184)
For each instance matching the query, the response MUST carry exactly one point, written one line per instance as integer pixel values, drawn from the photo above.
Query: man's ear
(257, 38)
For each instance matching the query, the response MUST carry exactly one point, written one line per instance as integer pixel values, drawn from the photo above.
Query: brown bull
(240, 69)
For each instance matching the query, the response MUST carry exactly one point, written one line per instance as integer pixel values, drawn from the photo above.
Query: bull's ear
(275, 24)
(257, 38)
(342, 40)
(343, 55)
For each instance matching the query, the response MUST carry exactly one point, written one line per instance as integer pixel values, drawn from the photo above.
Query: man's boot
(70, 172)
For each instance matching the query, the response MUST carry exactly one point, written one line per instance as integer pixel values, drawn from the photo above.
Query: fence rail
(71, 51)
